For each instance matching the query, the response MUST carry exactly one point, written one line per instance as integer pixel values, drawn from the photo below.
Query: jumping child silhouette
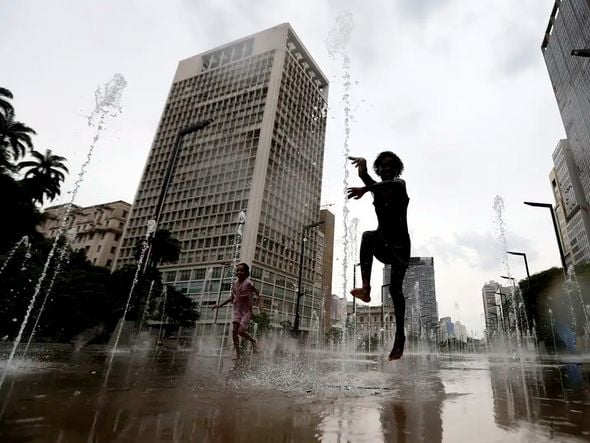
(390, 243)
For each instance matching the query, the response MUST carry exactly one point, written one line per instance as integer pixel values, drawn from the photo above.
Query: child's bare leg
(399, 306)
(366, 259)
(250, 339)
(236, 339)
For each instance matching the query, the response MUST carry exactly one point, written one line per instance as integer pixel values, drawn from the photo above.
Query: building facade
(98, 228)
(261, 155)
(571, 207)
(372, 323)
(568, 30)
(491, 307)
(420, 292)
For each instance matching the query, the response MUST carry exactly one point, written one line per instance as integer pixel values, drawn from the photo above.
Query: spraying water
(23, 241)
(151, 228)
(143, 314)
(107, 104)
(572, 286)
(336, 43)
(62, 258)
(501, 227)
(165, 299)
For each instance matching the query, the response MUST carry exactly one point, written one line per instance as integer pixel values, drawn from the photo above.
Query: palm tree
(44, 176)
(5, 105)
(14, 135)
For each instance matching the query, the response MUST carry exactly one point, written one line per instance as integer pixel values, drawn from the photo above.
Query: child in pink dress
(242, 296)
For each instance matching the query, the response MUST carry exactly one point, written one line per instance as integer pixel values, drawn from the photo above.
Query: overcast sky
(457, 88)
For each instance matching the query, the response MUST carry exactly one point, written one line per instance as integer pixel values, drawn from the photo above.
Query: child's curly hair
(398, 165)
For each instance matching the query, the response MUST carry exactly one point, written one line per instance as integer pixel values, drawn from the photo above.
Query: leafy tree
(263, 322)
(545, 292)
(5, 105)
(43, 176)
(80, 299)
(333, 335)
(164, 248)
(180, 311)
(20, 214)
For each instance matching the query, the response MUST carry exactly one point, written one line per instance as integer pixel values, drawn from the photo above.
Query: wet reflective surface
(179, 396)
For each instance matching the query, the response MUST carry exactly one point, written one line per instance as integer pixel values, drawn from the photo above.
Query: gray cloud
(517, 48)
(420, 10)
(485, 252)
(478, 250)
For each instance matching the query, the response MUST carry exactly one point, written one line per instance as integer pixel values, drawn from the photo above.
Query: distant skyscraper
(570, 205)
(491, 307)
(420, 293)
(569, 29)
(262, 154)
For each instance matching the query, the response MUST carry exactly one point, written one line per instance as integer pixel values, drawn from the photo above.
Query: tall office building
(491, 308)
(571, 208)
(420, 293)
(569, 30)
(262, 154)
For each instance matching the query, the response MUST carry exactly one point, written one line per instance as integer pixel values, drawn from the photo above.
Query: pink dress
(243, 295)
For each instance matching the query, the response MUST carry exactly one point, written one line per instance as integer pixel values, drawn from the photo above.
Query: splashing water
(107, 104)
(336, 43)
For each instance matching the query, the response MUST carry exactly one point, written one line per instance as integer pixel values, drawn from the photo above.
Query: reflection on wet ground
(179, 396)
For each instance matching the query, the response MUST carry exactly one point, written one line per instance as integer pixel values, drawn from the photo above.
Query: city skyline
(463, 96)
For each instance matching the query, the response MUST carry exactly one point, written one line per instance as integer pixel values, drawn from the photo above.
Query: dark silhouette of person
(390, 243)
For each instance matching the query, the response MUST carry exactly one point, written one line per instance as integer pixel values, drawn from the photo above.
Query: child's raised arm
(361, 164)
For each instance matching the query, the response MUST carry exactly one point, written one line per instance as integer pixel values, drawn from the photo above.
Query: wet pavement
(182, 396)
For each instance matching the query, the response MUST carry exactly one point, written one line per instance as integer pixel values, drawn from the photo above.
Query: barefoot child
(390, 243)
(242, 295)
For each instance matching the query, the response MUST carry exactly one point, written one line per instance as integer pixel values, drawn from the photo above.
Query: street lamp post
(557, 236)
(300, 277)
(526, 264)
(169, 172)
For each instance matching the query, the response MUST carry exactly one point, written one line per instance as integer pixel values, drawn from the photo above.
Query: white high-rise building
(262, 154)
